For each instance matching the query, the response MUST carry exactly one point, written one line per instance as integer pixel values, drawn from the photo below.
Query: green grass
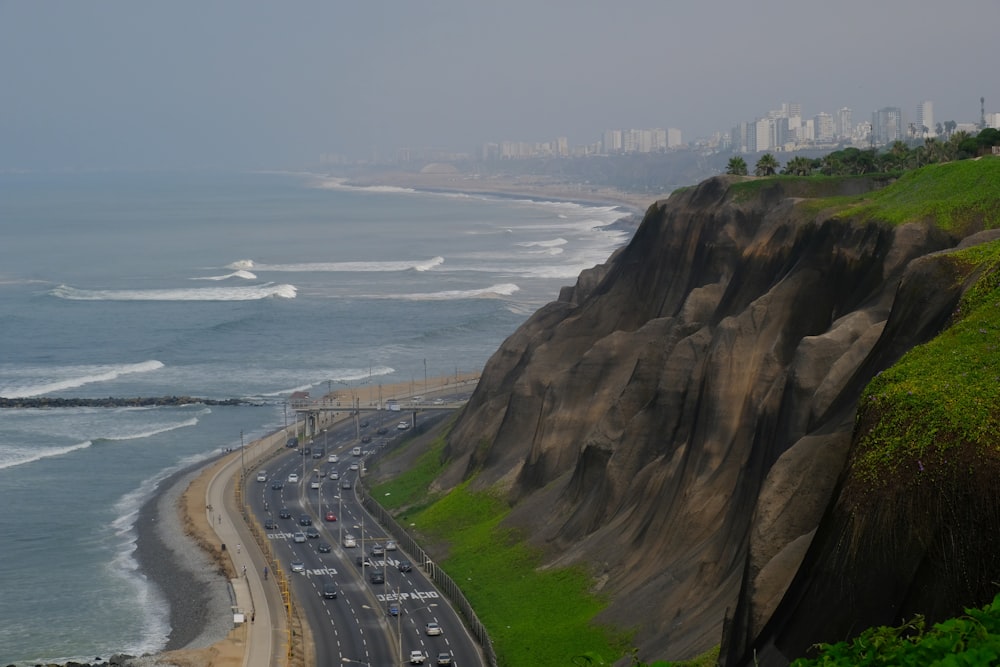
(941, 395)
(534, 616)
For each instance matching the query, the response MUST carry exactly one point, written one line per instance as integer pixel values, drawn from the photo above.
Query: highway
(368, 623)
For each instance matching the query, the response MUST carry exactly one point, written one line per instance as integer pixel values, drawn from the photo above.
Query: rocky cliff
(681, 419)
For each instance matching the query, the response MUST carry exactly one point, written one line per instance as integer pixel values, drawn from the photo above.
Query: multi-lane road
(369, 622)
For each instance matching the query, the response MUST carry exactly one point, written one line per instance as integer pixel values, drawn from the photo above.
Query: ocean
(220, 285)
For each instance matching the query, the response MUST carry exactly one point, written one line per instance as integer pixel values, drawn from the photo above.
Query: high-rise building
(764, 135)
(925, 119)
(887, 125)
(843, 126)
(823, 124)
(673, 137)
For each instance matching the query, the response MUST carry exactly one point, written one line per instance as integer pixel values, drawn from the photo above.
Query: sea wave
(76, 376)
(543, 244)
(16, 456)
(492, 292)
(358, 267)
(250, 293)
(246, 275)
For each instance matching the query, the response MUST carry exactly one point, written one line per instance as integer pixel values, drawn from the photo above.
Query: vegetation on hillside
(972, 639)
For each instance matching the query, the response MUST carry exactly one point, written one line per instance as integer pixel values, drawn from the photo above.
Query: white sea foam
(250, 293)
(359, 267)
(15, 456)
(246, 275)
(72, 377)
(492, 292)
(241, 265)
(543, 244)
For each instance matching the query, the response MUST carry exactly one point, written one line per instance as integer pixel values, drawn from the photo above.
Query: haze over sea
(249, 285)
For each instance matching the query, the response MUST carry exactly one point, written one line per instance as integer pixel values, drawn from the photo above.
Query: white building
(925, 119)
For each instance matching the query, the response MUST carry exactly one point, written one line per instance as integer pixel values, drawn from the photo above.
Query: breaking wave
(251, 293)
(79, 376)
(347, 267)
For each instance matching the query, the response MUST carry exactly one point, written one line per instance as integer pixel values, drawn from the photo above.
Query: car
(362, 561)
(377, 575)
(334, 474)
(270, 524)
(366, 438)
(402, 426)
(304, 520)
(330, 516)
(364, 424)
(356, 451)
(354, 466)
(444, 658)
(330, 591)
(312, 533)
(299, 536)
(405, 566)
(314, 484)
(262, 476)
(318, 453)
(439, 401)
(277, 485)
(293, 478)
(306, 451)
(292, 442)
(284, 513)
(432, 629)
(332, 458)
(350, 541)
(323, 547)
(381, 430)
(392, 609)
(346, 484)
(390, 545)
(417, 657)
(298, 566)
(378, 550)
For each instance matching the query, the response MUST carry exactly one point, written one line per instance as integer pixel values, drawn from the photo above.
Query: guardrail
(437, 575)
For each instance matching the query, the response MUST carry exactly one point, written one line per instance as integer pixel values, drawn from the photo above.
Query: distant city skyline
(256, 84)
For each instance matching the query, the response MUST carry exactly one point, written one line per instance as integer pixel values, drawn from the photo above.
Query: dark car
(285, 513)
(376, 575)
(323, 547)
(362, 561)
(270, 524)
(312, 533)
(304, 520)
(277, 485)
(318, 453)
(393, 609)
(382, 430)
(330, 591)
(364, 424)
(405, 566)
(366, 438)
(292, 442)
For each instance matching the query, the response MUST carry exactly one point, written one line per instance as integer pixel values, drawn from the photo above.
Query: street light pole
(242, 461)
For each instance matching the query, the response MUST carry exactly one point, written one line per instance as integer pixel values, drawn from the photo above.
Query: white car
(293, 478)
(262, 476)
(354, 466)
(333, 458)
(299, 536)
(417, 657)
(390, 545)
(298, 566)
(402, 426)
(314, 484)
(350, 541)
(432, 629)
(334, 474)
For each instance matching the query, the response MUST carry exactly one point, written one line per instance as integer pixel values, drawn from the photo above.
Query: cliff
(683, 419)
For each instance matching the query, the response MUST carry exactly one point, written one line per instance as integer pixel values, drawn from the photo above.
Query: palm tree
(767, 165)
(799, 166)
(737, 166)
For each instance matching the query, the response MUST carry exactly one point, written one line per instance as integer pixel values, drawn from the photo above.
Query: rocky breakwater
(681, 419)
(112, 402)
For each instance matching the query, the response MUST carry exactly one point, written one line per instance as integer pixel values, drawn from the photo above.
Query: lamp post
(243, 465)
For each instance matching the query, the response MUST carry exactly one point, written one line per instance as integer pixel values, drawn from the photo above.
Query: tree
(800, 166)
(737, 166)
(767, 165)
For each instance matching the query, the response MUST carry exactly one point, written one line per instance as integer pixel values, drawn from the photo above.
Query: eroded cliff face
(679, 419)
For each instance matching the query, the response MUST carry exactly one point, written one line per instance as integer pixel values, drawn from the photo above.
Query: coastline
(197, 592)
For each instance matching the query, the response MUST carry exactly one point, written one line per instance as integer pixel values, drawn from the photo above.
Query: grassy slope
(544, 617)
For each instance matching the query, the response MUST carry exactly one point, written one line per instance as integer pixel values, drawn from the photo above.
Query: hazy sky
(253, 84)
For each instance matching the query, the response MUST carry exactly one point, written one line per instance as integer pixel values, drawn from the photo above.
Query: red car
(330, 516)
